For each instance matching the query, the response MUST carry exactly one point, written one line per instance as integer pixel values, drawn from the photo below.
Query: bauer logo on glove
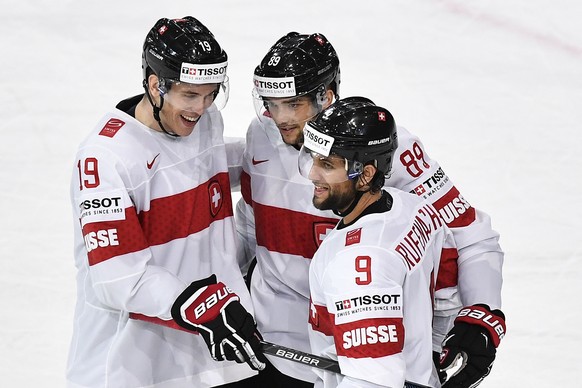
(469, 348)
(219, 296)
(214, 311)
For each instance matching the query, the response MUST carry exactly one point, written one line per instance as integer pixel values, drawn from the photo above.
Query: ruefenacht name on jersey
(413, 245)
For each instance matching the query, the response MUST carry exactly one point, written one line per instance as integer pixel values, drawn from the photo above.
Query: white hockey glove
(214, 311)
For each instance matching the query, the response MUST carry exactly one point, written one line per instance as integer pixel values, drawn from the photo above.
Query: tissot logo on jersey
(366, 300)
(100, 203)
(432, 185)
(101, 208)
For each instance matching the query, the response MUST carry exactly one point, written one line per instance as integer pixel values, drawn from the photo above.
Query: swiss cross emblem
(320, 230)
(347, 304)
(319, 40)
(381, 116)
(215, 195)
(419, 190)
(162, 29)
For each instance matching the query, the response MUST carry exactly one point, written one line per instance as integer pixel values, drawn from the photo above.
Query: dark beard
(338, 201)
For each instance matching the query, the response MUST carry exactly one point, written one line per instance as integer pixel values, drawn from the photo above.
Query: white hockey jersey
(152, 214)
(372, 286)
(280, 226)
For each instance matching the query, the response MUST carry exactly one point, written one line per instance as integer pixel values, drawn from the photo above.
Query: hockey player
(371, 280)
(158, 281)
(297, 78)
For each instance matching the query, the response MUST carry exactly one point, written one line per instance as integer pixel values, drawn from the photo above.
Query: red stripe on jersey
(374, 337)
(448, 275)
(245, 187)
(320, 319)
(107, 239)
(454, 209)
(288, 231)
(169, 218)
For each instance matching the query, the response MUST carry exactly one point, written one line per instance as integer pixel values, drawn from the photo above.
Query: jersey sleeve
(234, 156)
(363, 298)
(114, 246)
(244, 213)
(477, 270)
(245, 228)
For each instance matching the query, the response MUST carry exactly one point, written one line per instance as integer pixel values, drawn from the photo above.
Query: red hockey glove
(469, 348)
(214, 311)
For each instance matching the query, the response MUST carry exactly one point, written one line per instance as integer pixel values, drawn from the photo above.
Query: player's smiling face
(184, 104)
(290, 116)
(332, 188)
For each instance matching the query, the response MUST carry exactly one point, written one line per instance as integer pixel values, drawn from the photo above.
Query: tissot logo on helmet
(317, 141)
(168, 47)
(201, 74)
(275, 87)
(307, 58)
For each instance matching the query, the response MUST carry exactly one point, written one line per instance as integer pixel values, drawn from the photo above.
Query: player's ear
(328, 98)
(366, 177)
(153, 85)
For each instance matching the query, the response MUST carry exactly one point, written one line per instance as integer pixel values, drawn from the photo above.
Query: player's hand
(469, 348)
(215, 312)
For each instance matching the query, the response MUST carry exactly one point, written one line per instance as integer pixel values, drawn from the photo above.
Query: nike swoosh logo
(150, 165)
(255, 162)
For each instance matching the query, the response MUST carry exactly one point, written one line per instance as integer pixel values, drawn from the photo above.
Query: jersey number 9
(364, 269)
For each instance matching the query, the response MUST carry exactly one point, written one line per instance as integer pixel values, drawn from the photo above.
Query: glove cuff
(481, 315)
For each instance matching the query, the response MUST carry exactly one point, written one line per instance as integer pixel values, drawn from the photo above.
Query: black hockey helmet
(183, 50)
(355, 129)
(298, 64)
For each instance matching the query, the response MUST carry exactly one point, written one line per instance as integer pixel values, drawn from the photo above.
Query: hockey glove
(215, 312)
(469, 348)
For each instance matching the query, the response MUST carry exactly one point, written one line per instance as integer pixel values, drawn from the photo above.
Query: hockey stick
(310, 359)
(300, 357)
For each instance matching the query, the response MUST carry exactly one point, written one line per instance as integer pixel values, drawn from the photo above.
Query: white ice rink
(493, 88)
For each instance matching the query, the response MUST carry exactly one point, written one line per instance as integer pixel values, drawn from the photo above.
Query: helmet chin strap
(156, 110)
